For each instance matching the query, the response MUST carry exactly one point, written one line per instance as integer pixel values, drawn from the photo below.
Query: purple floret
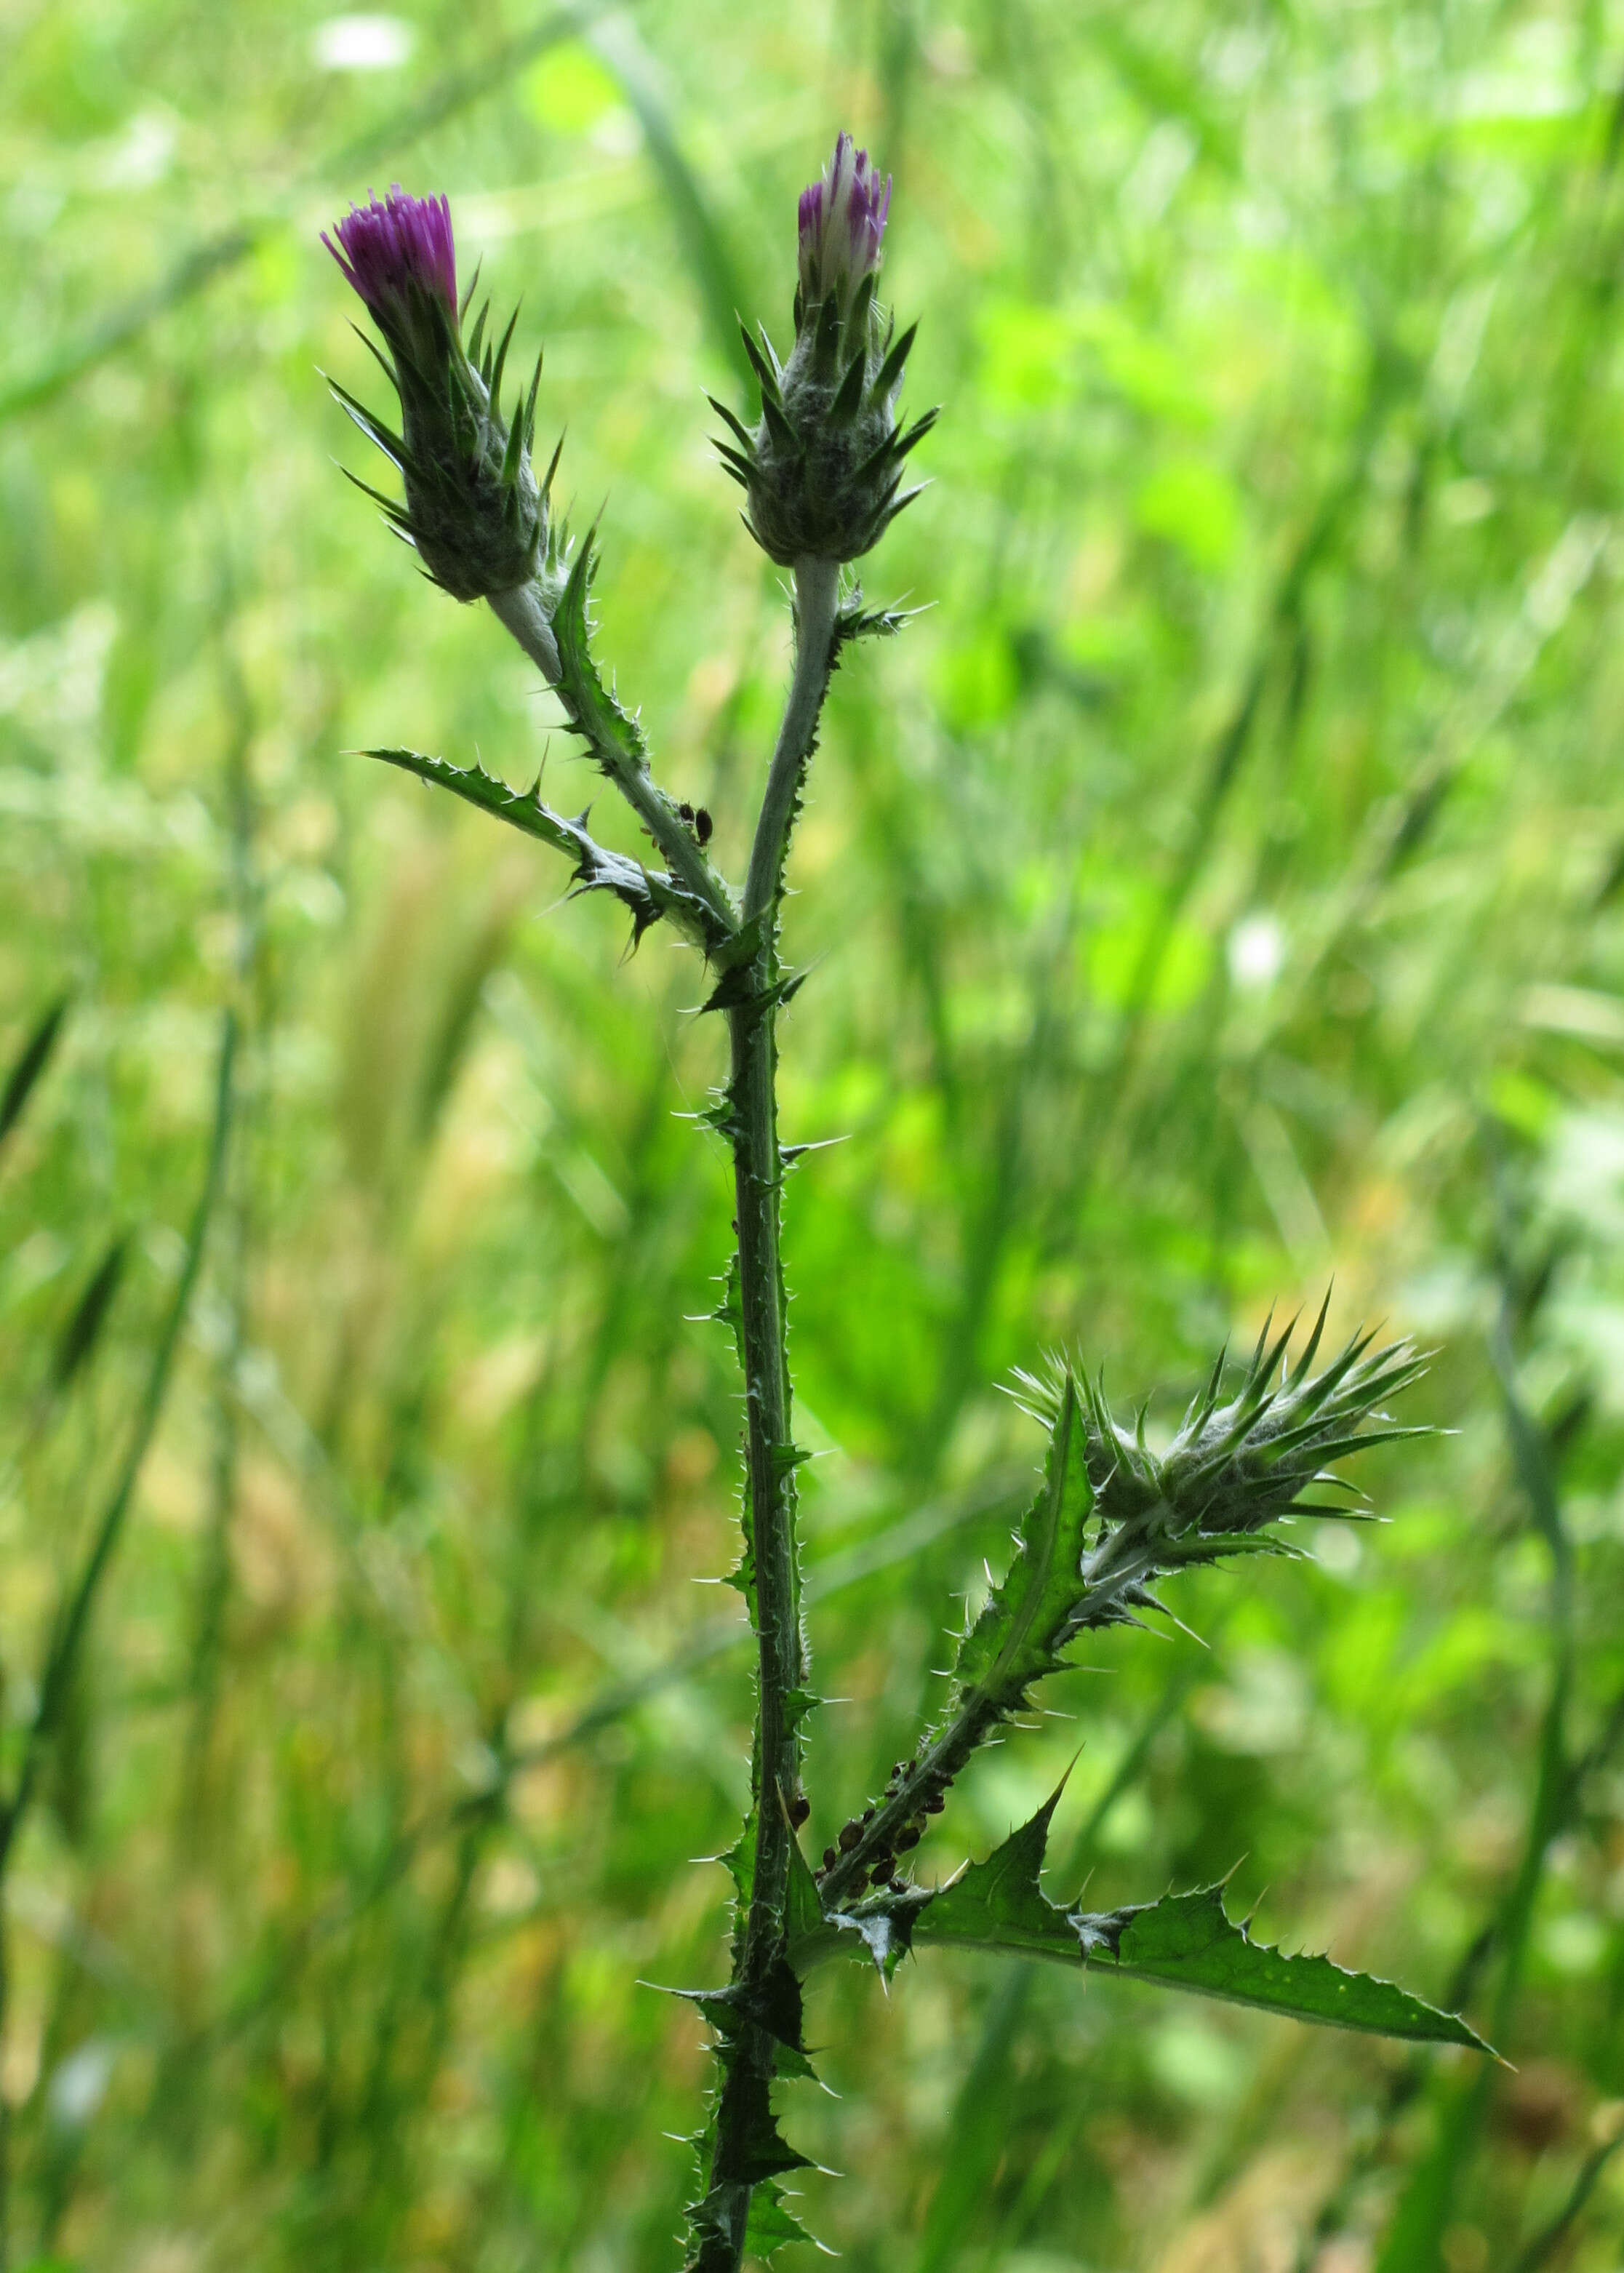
(842, 223)
(811, 211)
(388, 249)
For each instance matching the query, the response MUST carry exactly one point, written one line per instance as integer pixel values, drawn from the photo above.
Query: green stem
(720, 2221)
(817, 592)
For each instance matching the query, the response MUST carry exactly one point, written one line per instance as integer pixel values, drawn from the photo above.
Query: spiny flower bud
(473, 509)
(823, 469)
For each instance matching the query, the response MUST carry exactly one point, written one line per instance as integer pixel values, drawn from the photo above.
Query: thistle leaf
(1184, 1941)
(1187, 1941)
(648, 894)
(1024, 1620)
(771, 2224)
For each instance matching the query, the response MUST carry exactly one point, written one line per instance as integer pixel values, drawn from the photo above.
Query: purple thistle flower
(842, 225)
(394, 250)
(473, 507)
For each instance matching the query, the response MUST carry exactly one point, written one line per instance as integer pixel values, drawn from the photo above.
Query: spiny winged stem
(758, 1167)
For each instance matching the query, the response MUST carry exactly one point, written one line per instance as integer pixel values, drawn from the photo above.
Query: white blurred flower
(362, 43)
(1256, 950)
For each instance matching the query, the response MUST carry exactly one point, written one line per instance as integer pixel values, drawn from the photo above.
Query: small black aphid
(702, 825)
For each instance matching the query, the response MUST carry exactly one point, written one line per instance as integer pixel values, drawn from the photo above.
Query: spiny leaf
(803, 1909)
(760, 2150)
(775, 2010)
(1001, 1896)
(729, 1311)
(853, 622)
(1184, 1941)
(881, 1927)
(771, 2224)
(615, 739)
(737, 990)
(1024, 1620)
(648, 895)
(1187, 1941)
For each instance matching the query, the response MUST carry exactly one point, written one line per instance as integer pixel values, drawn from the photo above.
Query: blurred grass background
(1217, 891)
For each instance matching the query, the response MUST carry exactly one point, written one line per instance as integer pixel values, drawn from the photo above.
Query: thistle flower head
(473, 509)
(823, 467)
(1235, 1468)
(398, 249)
(842, 225)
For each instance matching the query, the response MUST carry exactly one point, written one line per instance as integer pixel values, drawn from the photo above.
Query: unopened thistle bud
(473, 509)
(823, 469)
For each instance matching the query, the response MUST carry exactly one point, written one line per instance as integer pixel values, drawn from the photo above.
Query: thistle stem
(720, 2222)
(817, 592)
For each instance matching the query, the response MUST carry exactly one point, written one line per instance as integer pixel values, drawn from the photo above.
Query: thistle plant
(1114, 1517)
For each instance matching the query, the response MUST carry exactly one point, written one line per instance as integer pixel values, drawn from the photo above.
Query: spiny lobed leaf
(1184, 1941)
(648, 894)
(771, 2224)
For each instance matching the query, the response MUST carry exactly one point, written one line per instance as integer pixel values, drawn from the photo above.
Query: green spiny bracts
(823, 470)
(1234, 1469)
(474, 508)
(1113, 1515)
